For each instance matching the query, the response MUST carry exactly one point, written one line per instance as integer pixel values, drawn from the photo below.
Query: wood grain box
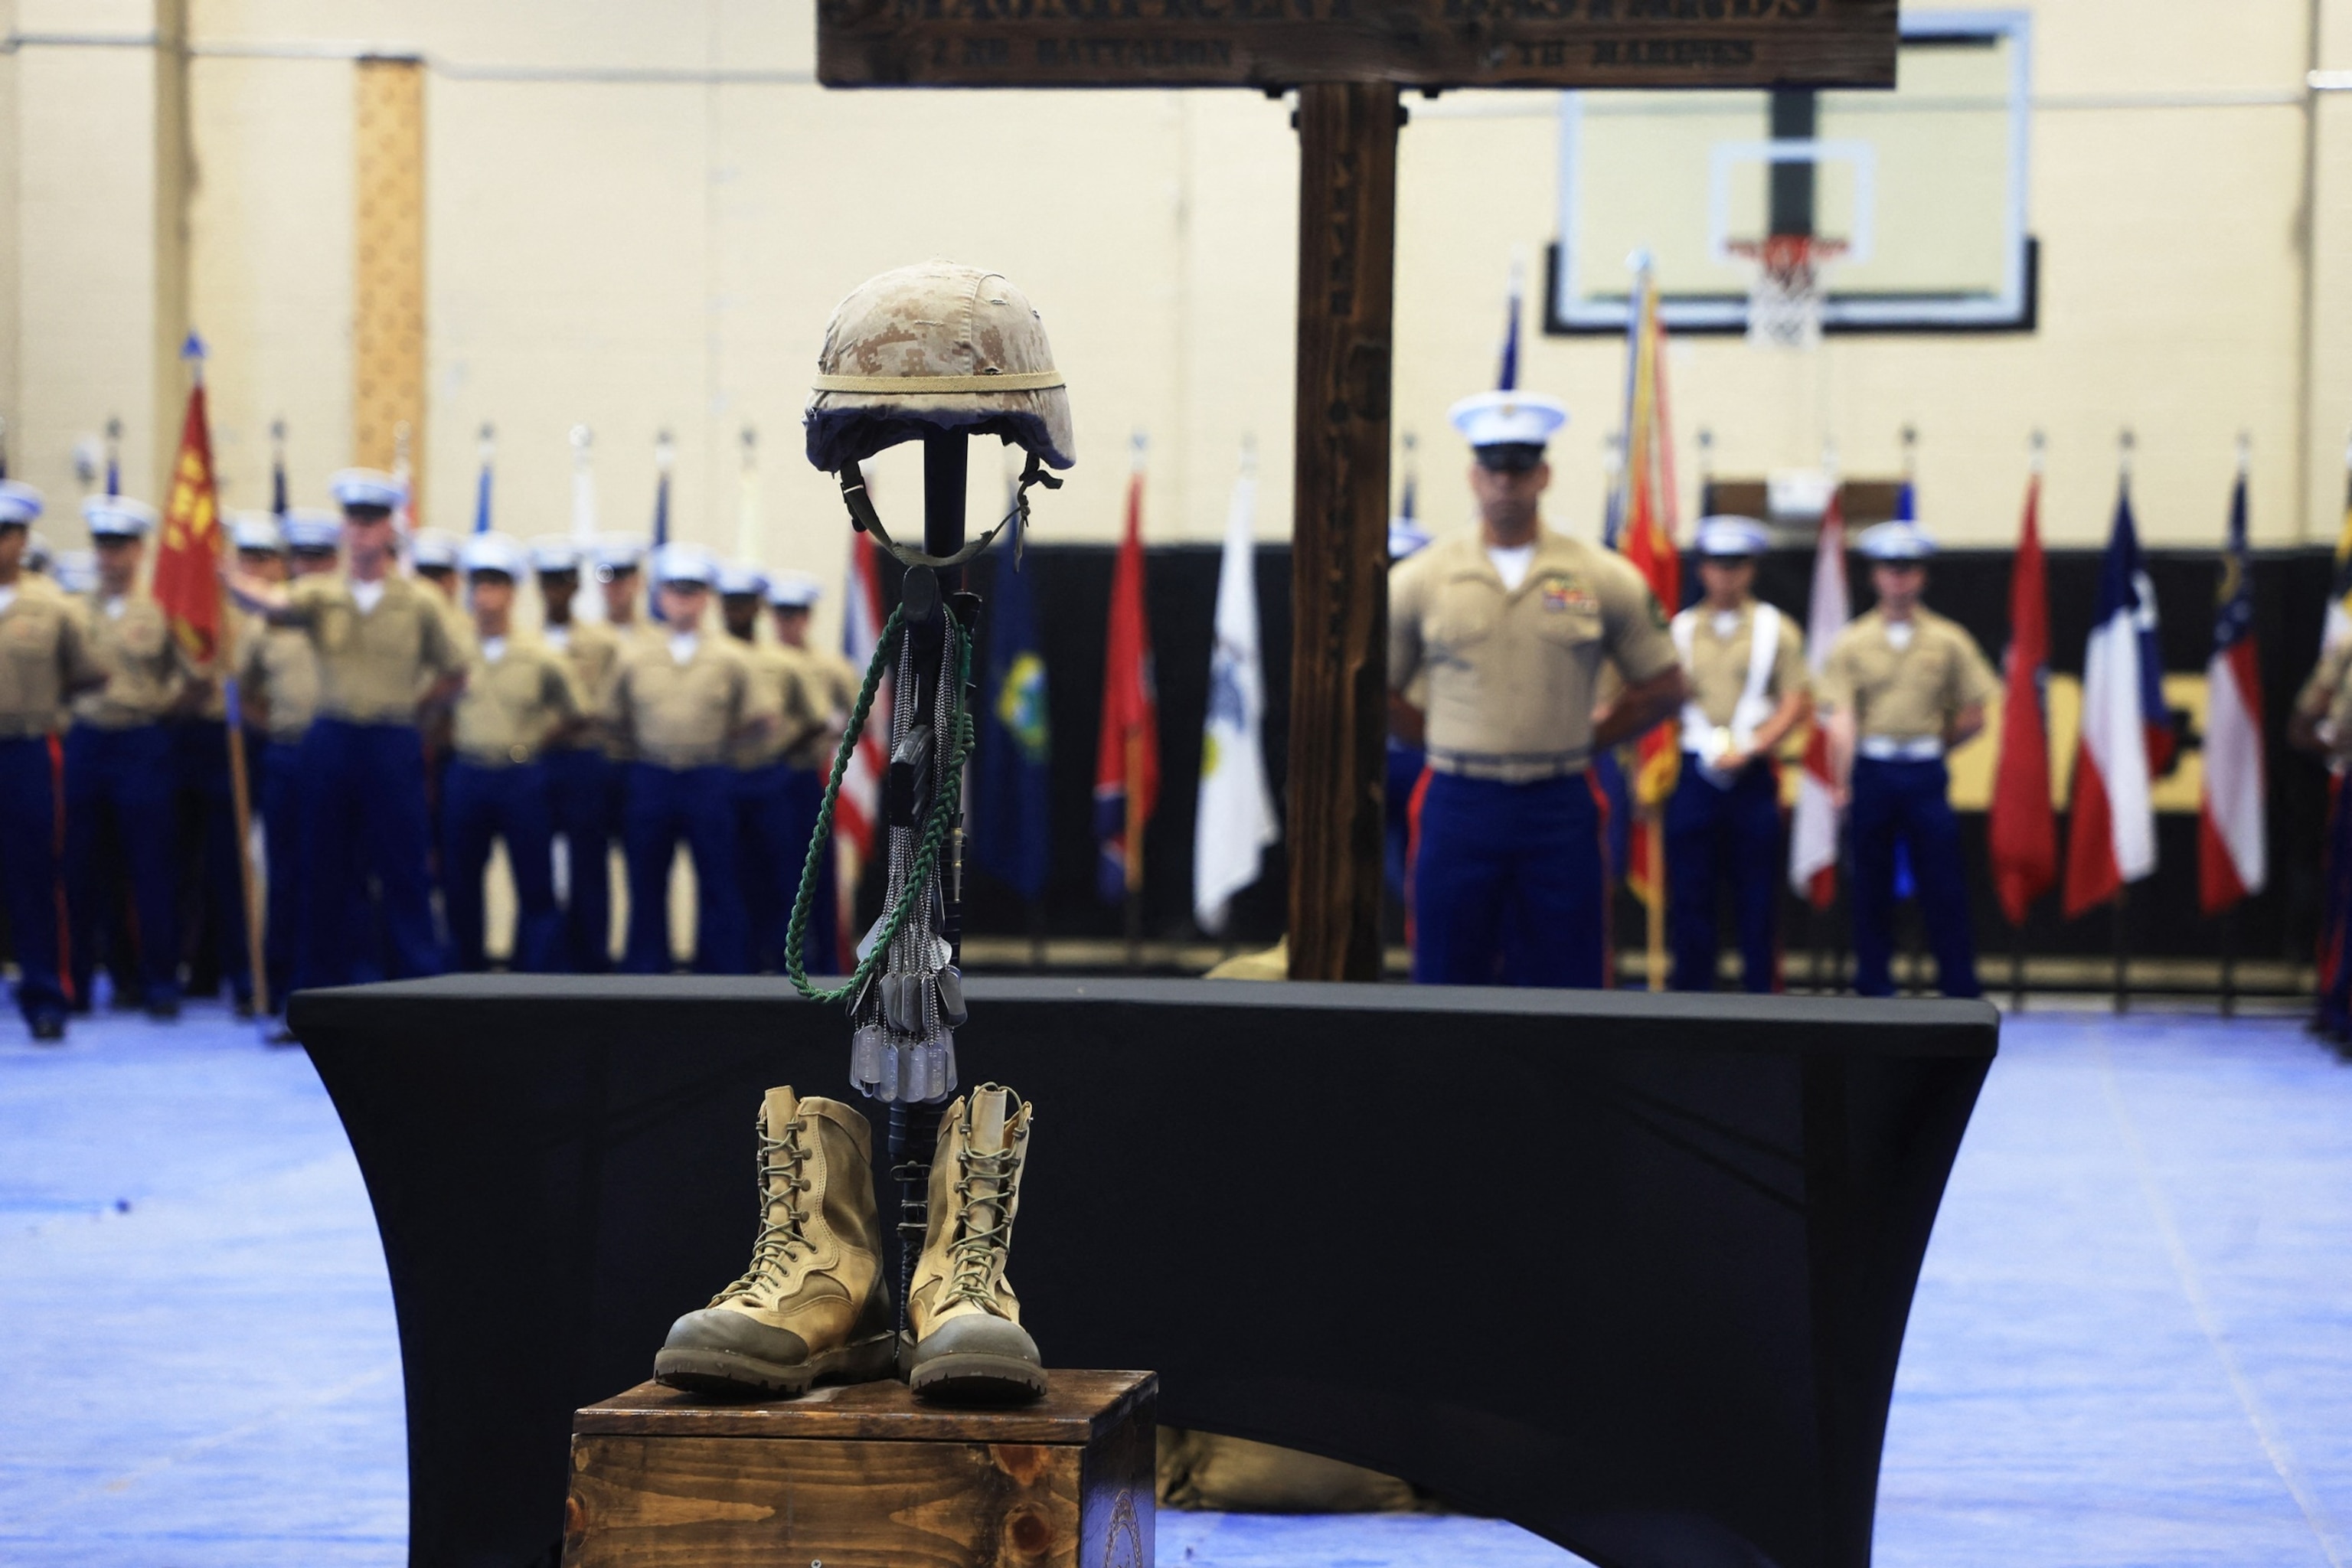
(862, 1476)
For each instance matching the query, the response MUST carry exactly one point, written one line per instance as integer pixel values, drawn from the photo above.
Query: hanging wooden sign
(1409, 43)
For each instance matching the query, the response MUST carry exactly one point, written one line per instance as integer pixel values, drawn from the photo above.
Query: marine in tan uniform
(120, 777)
(679, 702)
(764, 820)
(1746, 666)
(830, 684)
(382, 640)
(583, 785)
(278, 693)
(1903, 686)
(46, 660)
(1512, 627)
(519, 701)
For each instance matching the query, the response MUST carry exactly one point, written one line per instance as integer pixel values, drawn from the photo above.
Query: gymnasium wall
(640, 217)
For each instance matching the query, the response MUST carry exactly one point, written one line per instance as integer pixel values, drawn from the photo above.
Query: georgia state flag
(2127, 736)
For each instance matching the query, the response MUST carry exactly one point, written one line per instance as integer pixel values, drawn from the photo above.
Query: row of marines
(396, 726)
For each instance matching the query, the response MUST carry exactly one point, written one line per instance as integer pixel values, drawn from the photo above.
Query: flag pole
(2124, 444)
(240, 788)
(1134, 848)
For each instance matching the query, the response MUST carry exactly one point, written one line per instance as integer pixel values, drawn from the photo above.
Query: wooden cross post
(1347, 59)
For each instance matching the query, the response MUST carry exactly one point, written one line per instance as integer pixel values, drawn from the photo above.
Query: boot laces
(978, 1252)
(781, 1214)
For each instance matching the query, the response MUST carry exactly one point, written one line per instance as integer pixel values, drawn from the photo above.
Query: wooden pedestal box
(863, 1476)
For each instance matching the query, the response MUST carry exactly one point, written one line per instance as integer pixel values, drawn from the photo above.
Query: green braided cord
(935, 829)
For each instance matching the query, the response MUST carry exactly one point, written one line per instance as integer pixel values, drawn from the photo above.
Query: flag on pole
(1127, 754)
(482, 485)
(187, 573)
(2338, 625)
(1235, 820)
(859, 812)
(278, 498)
(664, 455)
(583, 486)
(1648, 544)
(2232, 859)
(1507, 378)
(1814, 825)
(2022, 830)
(747, 500)
(2112, 839)
(1013, 822)
(114, 457)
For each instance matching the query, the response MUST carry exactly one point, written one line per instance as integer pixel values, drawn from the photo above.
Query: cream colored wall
(641, 217)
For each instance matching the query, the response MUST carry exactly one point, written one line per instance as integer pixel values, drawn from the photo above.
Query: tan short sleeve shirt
(513, 702)
(280, 671)
(778, 706)
(2327, 696)
(372, 664)
(1910, 693)
(1513, 673)
(45, 658)
(1720, 654)
(832, 686)
(146, 668)
(679, 715)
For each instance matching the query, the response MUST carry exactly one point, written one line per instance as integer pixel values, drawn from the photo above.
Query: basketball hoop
(1784, 303)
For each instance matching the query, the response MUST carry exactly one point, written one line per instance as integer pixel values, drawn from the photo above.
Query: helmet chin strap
(866, 519)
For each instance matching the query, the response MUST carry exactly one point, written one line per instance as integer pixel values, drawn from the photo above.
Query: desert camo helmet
(932, 348)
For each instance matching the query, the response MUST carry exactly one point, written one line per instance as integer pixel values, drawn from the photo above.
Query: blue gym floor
(2132, 1344)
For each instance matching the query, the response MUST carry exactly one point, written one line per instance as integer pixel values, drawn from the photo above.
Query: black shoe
(163, 1009)
(280, 1036)
(49, 1029)
(243, 1011)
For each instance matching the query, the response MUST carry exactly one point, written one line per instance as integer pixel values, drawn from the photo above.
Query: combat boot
(813, 1304)
(969, 1345)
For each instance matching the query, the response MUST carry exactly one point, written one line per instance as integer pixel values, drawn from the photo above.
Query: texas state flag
(2127, 736)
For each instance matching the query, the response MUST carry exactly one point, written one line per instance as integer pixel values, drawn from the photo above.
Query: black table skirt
(1629, 1270)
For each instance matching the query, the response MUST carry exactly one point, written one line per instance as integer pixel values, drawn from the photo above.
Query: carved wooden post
(1339, 595)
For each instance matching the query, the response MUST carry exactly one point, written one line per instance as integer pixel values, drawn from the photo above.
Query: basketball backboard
(1916, 196)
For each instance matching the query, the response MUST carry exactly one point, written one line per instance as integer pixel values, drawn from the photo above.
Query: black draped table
(1629, 1270)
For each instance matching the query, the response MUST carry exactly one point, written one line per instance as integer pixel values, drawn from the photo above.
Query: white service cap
(616, 553)
(793, 590)
(1901, 540)
(19, 502)
(684, 564)
(308, 528)
(433, 547)
(118, 517)
(1405, 537)
(76, 571)
(257, 532)
(1725, 534)
(367, 487)
(1507, 419)
(555, 553)
(491, 553)
(735, 577)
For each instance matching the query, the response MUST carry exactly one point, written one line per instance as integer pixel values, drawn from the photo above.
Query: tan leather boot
(813, 1305)
(969, 1345)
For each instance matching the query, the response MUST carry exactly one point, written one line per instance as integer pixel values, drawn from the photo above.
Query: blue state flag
(1011, 826)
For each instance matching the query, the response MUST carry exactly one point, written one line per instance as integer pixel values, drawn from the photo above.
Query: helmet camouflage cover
(933, 348)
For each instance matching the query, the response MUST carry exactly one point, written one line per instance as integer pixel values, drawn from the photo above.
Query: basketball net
(1784, 303)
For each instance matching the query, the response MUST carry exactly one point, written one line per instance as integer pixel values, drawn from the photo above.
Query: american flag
(860, 808)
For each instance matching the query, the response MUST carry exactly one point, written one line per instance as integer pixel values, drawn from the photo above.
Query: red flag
(1126, 757)
(1649, 546)
(187, 573)
(2022, 828)
(1814, 824)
